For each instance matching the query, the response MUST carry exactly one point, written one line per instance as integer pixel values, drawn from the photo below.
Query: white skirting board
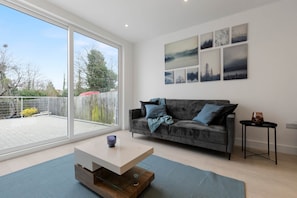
(262, 145)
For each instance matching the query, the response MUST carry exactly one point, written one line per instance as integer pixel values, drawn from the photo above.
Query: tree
(50, 89)
(32, 78)
(79, 84)
(18, 80)
(98, 76)
(10, 74)
(65, 90)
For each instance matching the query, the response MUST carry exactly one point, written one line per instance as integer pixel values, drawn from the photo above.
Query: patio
(17, 132)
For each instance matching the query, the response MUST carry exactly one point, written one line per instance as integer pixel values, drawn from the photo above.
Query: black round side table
(268, 125)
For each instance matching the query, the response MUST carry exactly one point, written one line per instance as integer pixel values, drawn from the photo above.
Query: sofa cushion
(143, 103)
(195, 131)
(208, 113)
(188, 109)
(141, 126)
(154, 111)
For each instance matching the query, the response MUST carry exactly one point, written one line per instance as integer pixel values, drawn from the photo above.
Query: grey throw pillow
(220, 118)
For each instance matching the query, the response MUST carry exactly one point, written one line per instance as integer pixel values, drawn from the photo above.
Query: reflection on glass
(95, 85)
(33, 66)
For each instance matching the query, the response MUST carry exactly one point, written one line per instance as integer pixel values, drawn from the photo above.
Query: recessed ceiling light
(185, 0)
(126, 25)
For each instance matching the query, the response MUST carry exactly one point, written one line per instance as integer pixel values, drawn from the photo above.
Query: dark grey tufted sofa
(218, 135)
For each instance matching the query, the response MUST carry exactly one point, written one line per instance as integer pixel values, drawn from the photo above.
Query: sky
(44, 46)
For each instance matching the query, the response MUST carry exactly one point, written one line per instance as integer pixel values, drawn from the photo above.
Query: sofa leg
(132, 135)
(229, 156)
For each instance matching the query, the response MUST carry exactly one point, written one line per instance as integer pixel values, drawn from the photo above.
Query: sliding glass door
(33, 68)
(35, 74)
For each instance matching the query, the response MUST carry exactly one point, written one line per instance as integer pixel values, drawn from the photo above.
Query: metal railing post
(22, 106)
(48, 108)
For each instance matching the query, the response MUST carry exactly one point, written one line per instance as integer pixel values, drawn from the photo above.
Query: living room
(270, 72)
(268, 89)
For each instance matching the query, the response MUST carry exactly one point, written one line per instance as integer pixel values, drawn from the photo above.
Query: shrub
(29, 112)
(95, 114)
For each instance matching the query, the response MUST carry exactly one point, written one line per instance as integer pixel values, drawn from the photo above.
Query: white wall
(272, 70)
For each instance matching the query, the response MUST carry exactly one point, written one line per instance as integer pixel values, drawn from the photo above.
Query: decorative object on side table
(257, 117)
(111, 140)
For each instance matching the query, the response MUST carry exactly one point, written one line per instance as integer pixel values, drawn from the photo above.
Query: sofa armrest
(133, 114)
(230, 127)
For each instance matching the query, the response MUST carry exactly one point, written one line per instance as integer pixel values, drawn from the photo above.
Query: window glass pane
(95, 85)
(33, 75)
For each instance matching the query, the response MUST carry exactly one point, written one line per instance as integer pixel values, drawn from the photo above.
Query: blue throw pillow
(154, 111)
(208, 113)
(143, 111)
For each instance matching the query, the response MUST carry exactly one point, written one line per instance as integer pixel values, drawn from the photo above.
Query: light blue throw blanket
(154, 123)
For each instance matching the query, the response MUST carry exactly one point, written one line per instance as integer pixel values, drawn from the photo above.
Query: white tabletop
(119, 159)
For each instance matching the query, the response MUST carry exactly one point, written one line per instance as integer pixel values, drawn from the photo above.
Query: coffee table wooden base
(120, 186)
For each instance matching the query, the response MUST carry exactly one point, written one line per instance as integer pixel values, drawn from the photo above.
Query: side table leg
(242, 138)
(268, 141)
(244, 141)
(275, 152)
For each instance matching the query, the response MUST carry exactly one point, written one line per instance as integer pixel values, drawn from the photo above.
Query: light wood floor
(262, 177)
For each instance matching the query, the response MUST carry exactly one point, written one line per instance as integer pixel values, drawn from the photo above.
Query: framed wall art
(235, 62)
(210, 68)
(206, 40)
(192, 75)
(239, 33)
(218, 55)
(222, 37)
(180, 76)
(169, 77)
(181, 53)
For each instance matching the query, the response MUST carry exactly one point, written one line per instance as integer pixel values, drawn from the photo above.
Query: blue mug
(111, 140)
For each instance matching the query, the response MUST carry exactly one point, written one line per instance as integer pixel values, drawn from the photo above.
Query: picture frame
(235, 60)
(206, 41)
(181, 54)
(192, 75)
(222, 37)
(169, 77)
(210, 68)
(239, 33)
(180, 76)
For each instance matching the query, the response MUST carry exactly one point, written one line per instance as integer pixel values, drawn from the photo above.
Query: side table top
(263, 124)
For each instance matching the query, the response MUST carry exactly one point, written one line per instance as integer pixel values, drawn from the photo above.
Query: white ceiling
(150, 18)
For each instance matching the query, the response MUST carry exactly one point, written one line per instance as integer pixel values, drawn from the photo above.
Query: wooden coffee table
(110, 172)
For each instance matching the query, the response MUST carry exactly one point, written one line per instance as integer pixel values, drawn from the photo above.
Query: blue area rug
(55, 178)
